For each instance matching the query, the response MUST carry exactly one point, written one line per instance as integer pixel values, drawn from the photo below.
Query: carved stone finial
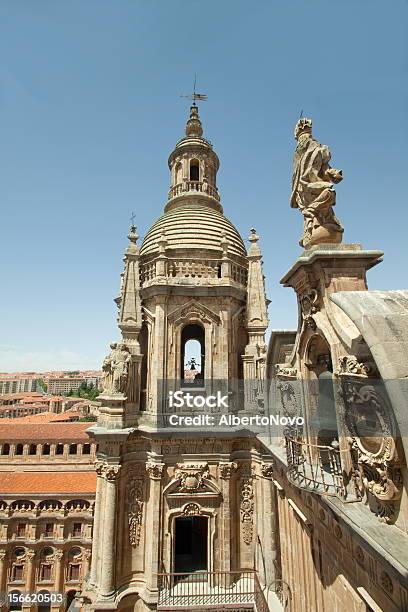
(194, 127)
(162, 242)
(312, 188)
(254, 249)
(224, 244)
(133, 235)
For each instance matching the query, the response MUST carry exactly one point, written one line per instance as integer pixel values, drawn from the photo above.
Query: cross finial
(132, 219)
(196, 96)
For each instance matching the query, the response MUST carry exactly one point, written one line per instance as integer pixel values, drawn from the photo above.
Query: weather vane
(195, 96)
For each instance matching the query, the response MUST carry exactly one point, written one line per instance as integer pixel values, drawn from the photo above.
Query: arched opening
(194, 170)
(192, 355)
(86, 449)
(59, 449)
(178, 174)
(70, 599)
(5, 449)
(13, 601)
(46, 449)
(32, 449)
(324, 419)
(19, 449)
(43, 599)
(73, 449)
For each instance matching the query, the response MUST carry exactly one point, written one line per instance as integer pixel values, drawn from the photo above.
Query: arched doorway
(14, 605)
(192, 362)
(190, 544)
(70, 599)
(43, 599)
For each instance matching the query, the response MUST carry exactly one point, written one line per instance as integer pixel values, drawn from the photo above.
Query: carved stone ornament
(134, 499)
(99, 465)
(284, 370)
(267, 469)
(155, 470)
(247, 510)
(309, 304)
(288, 398)
(191, 476)
(227, 469)
(360, 555)
(312, 188)
(116, 369)
(386, 582)
(371, 424)
(191, 510)
(349, 364)
(111, 472)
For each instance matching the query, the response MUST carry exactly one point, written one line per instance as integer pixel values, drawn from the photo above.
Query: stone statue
(116, 369)
(312, 188)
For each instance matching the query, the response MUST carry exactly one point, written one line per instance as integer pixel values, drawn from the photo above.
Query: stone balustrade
(188, 186)
(196, 271)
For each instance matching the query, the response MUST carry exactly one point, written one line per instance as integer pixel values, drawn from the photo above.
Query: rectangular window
(77, 530)
(45, 571)
(74, 572)
(17, 573)
(21, 530)
(49, 530)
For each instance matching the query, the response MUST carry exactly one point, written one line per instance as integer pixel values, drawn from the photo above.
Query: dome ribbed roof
(193, 226)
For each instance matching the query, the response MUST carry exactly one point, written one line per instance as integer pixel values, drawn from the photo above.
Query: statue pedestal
(112, 412)
(331, 267)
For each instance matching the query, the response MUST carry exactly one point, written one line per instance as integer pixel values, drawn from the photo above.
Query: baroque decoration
(191, 476)
(370, 422)
(135, 497)
(312, 188)
(247, 510)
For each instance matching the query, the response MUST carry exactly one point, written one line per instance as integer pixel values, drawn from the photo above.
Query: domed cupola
(193, 216)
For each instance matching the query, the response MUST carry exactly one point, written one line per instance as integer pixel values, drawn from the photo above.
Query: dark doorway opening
(191, 544)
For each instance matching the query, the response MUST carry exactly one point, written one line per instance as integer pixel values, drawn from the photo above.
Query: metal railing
(203, 589)
(318, 468)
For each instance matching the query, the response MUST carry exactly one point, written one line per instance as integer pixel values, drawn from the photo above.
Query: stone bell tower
(181, 500)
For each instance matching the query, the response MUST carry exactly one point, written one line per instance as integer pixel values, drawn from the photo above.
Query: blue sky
(90, 110)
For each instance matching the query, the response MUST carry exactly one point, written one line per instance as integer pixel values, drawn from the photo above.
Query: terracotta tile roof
(23, 407)
(47, 482)
(41, 417)
(46, 432)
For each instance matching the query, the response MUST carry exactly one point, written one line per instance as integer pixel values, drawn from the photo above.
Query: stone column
(226, 562)
(2, 571)
(98, 518)
(155, 471)
(85, 570)
(268, 518)
(108, 566)
(59, 570)
(30, 556)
